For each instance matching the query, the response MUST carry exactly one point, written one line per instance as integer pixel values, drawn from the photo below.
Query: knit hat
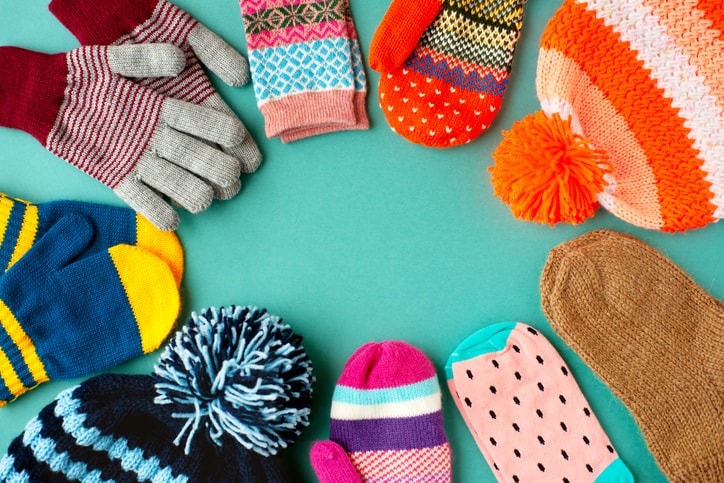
(632, 93)
(230, 390)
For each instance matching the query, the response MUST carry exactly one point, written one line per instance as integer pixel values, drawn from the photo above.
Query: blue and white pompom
(237, 371)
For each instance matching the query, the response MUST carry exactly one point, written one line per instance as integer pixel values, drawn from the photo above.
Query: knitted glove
(132, 139)
(62, 317)
(150, 21)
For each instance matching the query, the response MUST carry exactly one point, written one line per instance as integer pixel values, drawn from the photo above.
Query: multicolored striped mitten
(386, 420)
(445, 66)
(306, 65)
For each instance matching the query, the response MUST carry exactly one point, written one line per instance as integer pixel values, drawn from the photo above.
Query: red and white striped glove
(134, 140)
(123, 22)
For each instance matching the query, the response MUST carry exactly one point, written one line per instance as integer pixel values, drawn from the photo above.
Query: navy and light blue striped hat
(229, 391)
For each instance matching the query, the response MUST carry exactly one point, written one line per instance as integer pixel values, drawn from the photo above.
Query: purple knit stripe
(416, 432)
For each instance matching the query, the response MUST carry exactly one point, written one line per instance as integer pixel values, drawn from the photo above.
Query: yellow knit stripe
(10, 377)
(27, 350)
(6, 207)
(27, 235)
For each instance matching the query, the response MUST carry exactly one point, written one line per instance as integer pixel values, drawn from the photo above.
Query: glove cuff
(102, 23)
(32, 88)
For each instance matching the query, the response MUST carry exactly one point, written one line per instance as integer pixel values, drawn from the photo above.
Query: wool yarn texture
(306, 66)
(632, 98)
(386, 420)
(82, 107)
(128, 22)
(525, 410)
(173, 426)
(63, 317)
(653, 335)
(23, 223)
(445, 66)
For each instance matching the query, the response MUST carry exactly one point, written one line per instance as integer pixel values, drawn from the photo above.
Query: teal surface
(359, 236)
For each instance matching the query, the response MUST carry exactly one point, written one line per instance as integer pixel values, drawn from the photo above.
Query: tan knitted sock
(654, 336)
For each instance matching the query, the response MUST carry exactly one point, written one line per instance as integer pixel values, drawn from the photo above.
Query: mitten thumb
(331, 463)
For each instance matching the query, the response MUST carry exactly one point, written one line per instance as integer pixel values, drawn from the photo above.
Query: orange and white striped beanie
(632, 93)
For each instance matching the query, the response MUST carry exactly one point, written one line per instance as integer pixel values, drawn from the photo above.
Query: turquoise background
(358, 236)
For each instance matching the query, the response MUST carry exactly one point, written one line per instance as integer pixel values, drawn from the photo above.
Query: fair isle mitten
(63, 317)
(229, 391)
(306, 66)
(386, 422)
(445, 66)
(152, 21)
(81, 107)
(632, 98)
(23, 223)
(653, 335)
(525, 410)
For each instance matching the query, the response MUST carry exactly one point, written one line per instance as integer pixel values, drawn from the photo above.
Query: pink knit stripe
(467, 68)
(249, 7)
(104, 139)
(385, 365)
(362, 122)
(297, 34)
(308, 109)
(425, 465)
(693, 35)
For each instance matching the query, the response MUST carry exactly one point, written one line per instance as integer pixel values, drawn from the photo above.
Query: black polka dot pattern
(470, 373)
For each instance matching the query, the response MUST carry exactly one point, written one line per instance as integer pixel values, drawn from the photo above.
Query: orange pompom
(547, 173)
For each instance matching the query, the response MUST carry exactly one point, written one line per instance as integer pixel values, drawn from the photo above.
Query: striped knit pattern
(392, 432)
(642, 79)
(305, 61)
(170, 24)
(18, 230)
(450, 88)
(104, 139)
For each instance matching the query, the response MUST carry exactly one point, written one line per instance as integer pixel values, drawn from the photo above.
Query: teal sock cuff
(616, 472)
(488, 339)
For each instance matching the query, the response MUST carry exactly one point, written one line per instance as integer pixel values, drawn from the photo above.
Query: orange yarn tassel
(547, 173)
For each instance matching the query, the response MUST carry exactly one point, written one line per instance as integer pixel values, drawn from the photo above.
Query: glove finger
(185, 189)
(203, 122)
(331, 463)
(65, 240)
(247, 152)
(147, 203)
(205, 161)
(227, 192)
(220, 57)
(146, 60)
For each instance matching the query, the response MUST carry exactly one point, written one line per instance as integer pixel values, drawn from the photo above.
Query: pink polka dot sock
(386, 423)
(526, 412)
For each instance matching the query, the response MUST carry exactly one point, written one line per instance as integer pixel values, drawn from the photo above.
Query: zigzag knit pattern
(451, 86)
(643, 80)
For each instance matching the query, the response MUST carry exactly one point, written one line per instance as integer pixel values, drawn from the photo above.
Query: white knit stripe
(673, 73)
(166, 24)
(404, 409)
(106, 122)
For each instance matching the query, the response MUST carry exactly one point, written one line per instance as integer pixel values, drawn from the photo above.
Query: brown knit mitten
(654, 336)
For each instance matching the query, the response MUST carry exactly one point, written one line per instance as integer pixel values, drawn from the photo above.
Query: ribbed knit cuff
(95, 22)
(32, 88)
(308, 109)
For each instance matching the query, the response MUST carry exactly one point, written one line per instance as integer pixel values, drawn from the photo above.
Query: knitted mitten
(528, 416)
(306, 66)
(22, 224)
(62, 317)
(386, 420)
(445, 66)
(654, 336)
